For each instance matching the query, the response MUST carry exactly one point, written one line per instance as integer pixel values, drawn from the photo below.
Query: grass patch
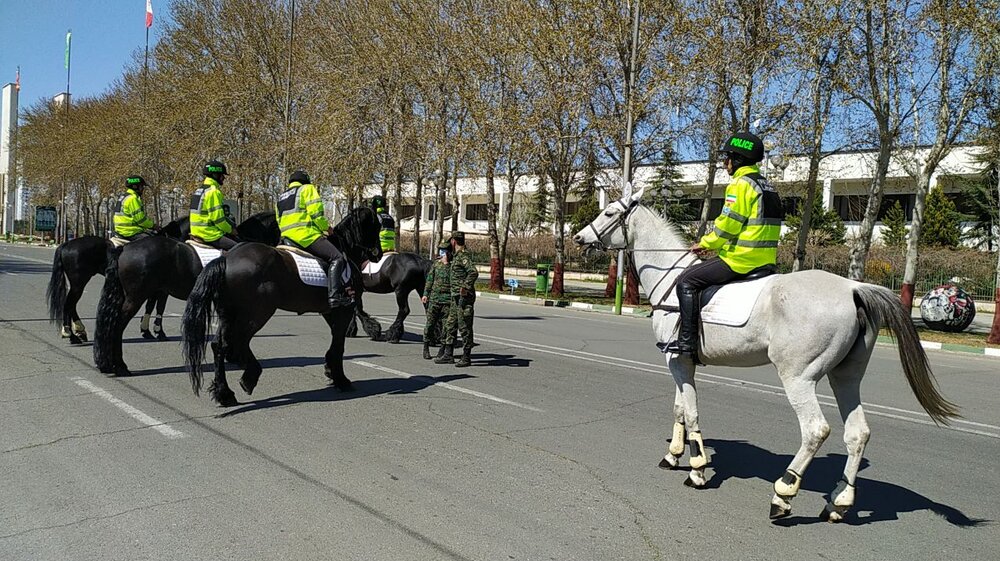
(967, 339)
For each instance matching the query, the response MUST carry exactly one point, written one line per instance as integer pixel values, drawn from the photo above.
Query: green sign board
(45, 218)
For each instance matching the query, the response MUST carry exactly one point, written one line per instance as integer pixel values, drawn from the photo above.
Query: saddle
(311, 269)
(118, 242)
(728, 304)
(371, 268)
(758, 273)
(206, 253)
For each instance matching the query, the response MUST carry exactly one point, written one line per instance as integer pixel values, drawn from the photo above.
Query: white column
(828, 193)
(503, 204)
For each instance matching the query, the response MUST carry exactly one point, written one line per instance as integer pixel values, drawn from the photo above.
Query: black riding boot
(427, 351)
(687, 338)
(466, 359)
(447, 357)
(336, 296)
(440, 351)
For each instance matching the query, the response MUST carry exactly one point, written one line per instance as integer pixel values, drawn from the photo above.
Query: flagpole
(63, 230)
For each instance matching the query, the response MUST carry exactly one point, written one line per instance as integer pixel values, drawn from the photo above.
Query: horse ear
(637, 195)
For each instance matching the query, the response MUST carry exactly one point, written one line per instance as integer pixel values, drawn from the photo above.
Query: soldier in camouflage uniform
(437, 298)
(463, 293)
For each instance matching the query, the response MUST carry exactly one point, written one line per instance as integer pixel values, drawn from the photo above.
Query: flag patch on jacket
(730, 199)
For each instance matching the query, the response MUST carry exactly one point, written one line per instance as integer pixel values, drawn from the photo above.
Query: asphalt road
(545, 449)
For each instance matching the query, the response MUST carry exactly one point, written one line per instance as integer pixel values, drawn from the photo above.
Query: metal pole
(627, 159)
(288, 90)
(62, 230)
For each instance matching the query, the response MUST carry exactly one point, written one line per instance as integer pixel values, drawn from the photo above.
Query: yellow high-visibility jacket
(208, 220)
(300, 214)
(130, 217)
(746, 233)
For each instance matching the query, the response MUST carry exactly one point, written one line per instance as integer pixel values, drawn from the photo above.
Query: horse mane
(177, 229)
(665, 225)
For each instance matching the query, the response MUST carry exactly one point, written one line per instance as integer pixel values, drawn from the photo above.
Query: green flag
(68, 35)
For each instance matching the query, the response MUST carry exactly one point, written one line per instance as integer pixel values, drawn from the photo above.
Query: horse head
(609, 231)
(357, 235)
(177, 229)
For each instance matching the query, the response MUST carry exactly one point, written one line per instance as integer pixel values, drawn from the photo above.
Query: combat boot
(440, 351)
(427, 351)
(447, 357)
(466, 359)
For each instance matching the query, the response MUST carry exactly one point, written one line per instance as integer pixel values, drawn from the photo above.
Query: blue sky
(106, 34)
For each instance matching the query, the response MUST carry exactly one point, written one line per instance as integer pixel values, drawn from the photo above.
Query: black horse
(400, 274)
(75, 263)
(250, 283)
(153, 266)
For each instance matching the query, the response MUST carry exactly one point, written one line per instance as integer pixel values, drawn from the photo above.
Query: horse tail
(883, 309)
(198, 316)
(109, 314)
(56, 291)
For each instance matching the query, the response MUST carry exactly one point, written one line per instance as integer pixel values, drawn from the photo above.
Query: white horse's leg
(676, 447)
(801, 392)
(845, 381)
(682, 369)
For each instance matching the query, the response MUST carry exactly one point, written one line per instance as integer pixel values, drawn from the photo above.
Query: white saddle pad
(311, 271)
(373, 268)
(732, 304)
(118, 242)
(206, 254)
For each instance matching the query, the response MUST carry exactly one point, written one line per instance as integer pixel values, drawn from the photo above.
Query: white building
(8, 177)
(844, 179)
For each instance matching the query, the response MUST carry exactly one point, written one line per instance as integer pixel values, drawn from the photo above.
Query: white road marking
(446, 385)
(151, 422)
(918, 417)
(42, 261)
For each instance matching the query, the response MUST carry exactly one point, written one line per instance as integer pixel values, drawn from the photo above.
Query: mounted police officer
(437, 297)
(463, 299)
(387, 234)
(745, 235)
(130, 220)
(303, 224)
(209, 223)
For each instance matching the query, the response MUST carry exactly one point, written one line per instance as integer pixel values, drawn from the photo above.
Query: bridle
(621, 222)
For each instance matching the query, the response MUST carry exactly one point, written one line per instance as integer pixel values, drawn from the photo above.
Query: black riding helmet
(300, 177)
(378, 203)
(135, 182)
(215, 169)
(744, 148)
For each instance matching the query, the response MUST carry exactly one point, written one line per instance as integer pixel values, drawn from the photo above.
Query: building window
(905, 201)
(572, 207)
(475, 212)
(851, 208)
(432, 211)
(406, 211)
(790, 206)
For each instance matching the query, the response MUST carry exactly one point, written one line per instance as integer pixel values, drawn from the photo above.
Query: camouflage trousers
(460, 321)
(437, 316)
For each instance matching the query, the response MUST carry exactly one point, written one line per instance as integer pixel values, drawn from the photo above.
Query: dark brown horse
(400, 274)
(157, 265)
(75, 263)
(252, 281)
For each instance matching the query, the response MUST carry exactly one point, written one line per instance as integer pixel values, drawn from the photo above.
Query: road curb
(642, 313)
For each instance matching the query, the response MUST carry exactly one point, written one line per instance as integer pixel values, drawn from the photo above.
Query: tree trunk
(706, 196)
(418, 213)
(994, 337)
(861, 246)
(611, 283)
(631, 283)
(913, 240)
(397, 202)
(496, 274)
(440, 186)
(453, 194)
(504, 233)
(559, 214)
(811, 188)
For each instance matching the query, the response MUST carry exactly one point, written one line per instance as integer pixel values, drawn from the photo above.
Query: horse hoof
(248, 385)
(74, 340)
(83, 338)
(832, 513)
(669, 462)
(779, 511)
(692, 483)
(345, 386)
(161, 336)
(226, 399)
(122, 372)
(147, 335)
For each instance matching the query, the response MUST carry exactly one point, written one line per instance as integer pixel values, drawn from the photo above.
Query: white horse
(808, 324)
